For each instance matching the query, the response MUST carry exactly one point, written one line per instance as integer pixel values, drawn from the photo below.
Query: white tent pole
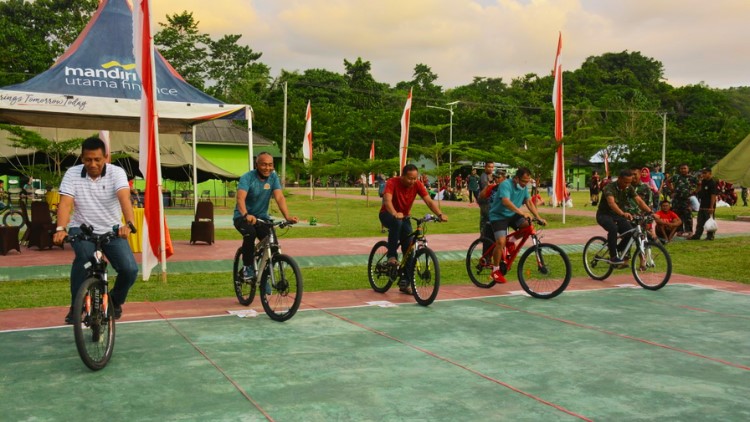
(248, 113)
(195, 172)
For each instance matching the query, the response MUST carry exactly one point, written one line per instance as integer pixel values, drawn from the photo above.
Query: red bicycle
(544, 269)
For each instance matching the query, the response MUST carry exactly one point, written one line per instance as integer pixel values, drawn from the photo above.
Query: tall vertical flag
(403, 146)
(307, 144)
(157, 246)
(558, 175)
(104, 136)
(372, 157)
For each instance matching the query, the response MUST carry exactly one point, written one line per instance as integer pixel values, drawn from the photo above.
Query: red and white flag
(372, 157)
(157, 246)
(558, 174)
(104, 136)
(307, 142)
(403, 146)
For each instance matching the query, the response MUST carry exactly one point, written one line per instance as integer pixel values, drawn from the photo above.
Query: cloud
(459, 39)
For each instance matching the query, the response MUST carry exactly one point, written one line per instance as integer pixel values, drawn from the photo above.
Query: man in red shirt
(398, 199)
(667, 222)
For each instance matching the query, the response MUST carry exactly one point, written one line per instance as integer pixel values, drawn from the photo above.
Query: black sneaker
(403, 287)
(118, 311)
(69, 317)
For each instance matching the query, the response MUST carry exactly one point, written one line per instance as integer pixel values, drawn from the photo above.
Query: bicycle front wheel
(94, 324)
(13, 218)
(379, 273)
(425, 276)
(596, 258)
(479, 262)
(544, 271)
(244, 289)
(652, 267)
(282, 294)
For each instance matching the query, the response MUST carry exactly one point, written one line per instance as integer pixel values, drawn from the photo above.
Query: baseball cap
(706, 170)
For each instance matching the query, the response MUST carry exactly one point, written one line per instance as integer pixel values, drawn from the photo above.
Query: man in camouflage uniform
(682, 185)
(645, 193)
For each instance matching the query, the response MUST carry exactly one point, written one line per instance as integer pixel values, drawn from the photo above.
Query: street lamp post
(450, 136)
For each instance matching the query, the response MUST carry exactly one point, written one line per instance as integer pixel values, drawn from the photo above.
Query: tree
(51, 171)
(184, 47)
(34, 34)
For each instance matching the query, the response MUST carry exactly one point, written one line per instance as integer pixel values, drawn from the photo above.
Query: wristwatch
(61, 229)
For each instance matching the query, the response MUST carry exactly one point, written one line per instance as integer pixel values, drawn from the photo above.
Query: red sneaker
(498, 277)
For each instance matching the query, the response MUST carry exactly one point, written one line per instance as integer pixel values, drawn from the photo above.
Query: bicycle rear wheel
(596, 258)
(243, 288)
(479, 264)
(652, 267)
(544, 271)
(284, 296)
(379, 273)
(13, 218)
(94, 324)
(425, 276)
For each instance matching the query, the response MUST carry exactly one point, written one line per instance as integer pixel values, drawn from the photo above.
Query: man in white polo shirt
(98, 195)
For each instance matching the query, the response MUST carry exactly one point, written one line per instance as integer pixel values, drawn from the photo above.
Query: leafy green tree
(34, 34)
(51, 171)
(184, 47)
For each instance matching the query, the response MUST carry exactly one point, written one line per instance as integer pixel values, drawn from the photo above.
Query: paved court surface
(614, 353)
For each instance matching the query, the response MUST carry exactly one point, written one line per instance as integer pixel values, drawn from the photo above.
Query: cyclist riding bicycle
(612, 214)
(505, 211)
(398, 199)
(98, 195)
(253, 197)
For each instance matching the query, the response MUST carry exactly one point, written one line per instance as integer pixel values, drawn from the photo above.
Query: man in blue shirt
(254, 193)
(505, 211)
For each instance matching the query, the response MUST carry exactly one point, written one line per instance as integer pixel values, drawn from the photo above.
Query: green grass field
(726, 259)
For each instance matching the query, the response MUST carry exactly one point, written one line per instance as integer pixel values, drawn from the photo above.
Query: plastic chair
(202, 228)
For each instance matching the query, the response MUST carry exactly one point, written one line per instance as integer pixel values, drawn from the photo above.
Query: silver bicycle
(277, 275)
(649, 260)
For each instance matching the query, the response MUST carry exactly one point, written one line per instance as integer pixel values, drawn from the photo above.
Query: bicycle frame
(638, 237)
(506, 262)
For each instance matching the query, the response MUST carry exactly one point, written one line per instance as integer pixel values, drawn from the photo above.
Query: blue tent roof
(94, 84)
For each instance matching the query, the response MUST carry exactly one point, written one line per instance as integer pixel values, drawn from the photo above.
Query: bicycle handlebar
(87, 233)
(281, 224)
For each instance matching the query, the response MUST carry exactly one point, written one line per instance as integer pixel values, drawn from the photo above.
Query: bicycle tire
(478, 268)
(595, 256)
(380, 275)
(13, 218)
(94, 333)
(286, 295)
(652, 268)
(243, 289)
(549, 278)
(425, 276)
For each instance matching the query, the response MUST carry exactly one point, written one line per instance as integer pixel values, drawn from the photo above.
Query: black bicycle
(418, 267)
(93, 310)
(277, 275)
(649, 260)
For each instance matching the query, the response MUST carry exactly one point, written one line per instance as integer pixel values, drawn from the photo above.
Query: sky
(697, 41)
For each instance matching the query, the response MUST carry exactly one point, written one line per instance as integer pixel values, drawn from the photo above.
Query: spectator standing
(682, 185)
(658, 177)
(594, 188)
(707, 197)
(743, 193)
(484, 203)
(473, 185)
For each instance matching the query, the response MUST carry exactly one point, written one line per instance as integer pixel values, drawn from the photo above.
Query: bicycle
(545, 278)
(277, 274)
(418, 266)
(11, 215)
(93, 310)
(651, 264)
